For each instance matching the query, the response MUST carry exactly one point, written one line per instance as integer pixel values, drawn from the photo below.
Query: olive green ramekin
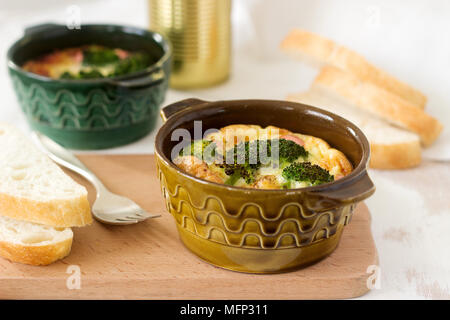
(91, 113)
(255, 230)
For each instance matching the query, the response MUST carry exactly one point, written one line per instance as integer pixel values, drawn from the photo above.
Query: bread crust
(380, 102)
(395, 156)
(55, 213)
(68, 210)
(401, 155)
(36, 255)
(307, 45)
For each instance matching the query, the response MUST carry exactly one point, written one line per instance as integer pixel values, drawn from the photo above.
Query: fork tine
(116, 221)
(127, 213)
(147, 214)
(144, 214)
(127, 221)
(134, 218)
(128, 217)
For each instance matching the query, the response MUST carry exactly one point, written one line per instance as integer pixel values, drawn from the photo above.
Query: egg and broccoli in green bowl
(88, 62)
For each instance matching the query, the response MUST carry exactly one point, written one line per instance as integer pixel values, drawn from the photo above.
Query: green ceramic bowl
(254, 230)
(91, 113)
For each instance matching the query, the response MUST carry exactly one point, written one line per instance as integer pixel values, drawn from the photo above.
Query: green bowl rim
(124, 29)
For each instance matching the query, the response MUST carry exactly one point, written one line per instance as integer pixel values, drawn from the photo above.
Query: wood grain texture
(148, 261)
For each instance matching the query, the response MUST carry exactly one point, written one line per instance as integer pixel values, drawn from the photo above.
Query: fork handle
(66, 159)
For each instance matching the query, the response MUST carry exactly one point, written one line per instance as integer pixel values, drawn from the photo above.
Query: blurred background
(407, 38)
(410, 39)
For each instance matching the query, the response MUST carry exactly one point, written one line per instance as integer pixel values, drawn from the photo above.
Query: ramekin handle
(176, 107)
(354, 190)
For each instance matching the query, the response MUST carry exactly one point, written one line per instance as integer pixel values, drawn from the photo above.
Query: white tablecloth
(411, 208)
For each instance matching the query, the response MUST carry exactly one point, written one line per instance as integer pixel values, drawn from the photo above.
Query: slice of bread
(33, 188)
(32, 243)
(379, 102)
(320, 51)
(391, 147)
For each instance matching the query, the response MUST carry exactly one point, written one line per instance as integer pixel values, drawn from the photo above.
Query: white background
(410, 39)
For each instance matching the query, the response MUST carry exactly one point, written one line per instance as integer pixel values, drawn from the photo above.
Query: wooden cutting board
(148, 261)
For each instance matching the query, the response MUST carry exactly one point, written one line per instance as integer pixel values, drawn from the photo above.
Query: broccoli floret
(96, 55)
(67, 75)
(247, 157)
(289, 151)
(133, 63)
(232, 179)
(305, 171)
(237, 171)
(92, 74)
(202, 149)
(245, 161)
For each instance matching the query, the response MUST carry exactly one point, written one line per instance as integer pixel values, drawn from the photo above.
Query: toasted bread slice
(32, 243)
(391, 147)
(34, 189)
(320, 51)
(379, 102)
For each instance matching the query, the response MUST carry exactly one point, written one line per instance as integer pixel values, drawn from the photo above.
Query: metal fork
(108, 208)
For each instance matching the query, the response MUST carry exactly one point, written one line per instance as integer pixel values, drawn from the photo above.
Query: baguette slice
(32, 243)
(34, 189)
(320, 51)
(391, 147)
(380, 102)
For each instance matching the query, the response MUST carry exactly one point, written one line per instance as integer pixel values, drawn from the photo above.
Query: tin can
(200, 34)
